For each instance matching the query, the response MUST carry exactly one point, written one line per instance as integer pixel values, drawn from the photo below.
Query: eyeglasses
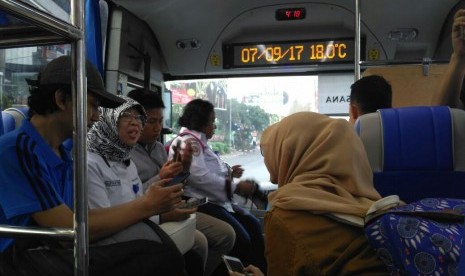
(128, 117)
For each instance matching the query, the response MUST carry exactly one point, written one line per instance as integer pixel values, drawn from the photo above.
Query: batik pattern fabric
(420, 238)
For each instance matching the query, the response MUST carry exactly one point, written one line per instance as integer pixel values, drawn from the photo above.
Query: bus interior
(269, 58)
(257, 61)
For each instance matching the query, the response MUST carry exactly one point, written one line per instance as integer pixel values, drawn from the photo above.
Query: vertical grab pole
(357, 40)
(230, 124)
(79, 88)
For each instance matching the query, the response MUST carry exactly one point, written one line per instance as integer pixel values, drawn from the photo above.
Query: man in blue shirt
(36, 184)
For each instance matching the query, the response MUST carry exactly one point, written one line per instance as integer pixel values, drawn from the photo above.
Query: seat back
(12, 117)
(416, 152)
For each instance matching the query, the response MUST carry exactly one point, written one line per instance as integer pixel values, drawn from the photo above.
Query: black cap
(58, 71)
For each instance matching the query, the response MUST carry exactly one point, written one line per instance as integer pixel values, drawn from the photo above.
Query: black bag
(137, 257)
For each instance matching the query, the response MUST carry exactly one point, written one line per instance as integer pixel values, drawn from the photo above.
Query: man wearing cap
(36, 186)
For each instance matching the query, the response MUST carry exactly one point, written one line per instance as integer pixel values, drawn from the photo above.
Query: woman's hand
(178, 213)
(237, 171)
(251, 270)
(246, 187)
(159, 199)
(186, 156)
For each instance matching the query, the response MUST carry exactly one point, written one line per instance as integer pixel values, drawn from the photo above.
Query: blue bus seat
(12, 117)
(416, 152)
(1, 124)
(9, 122)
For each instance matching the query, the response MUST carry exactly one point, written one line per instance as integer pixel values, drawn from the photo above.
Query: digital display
(290, 14)
(289, 53)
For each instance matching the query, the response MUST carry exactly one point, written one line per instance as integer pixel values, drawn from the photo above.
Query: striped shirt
(32, 178)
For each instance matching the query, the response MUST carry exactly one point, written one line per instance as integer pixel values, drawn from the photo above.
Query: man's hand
(160, 199)
(170, 169)
(458, 34)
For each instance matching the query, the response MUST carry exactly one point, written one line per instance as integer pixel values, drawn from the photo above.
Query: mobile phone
(180, 178)
(177, 151)
(195, 202)
(234, 264)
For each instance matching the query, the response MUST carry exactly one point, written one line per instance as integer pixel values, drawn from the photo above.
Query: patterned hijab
(320, 165)
(103, 137)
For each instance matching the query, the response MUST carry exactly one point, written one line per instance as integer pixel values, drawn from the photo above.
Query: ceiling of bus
(213, 23)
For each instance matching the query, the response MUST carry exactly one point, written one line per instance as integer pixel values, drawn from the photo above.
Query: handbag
(420, 238)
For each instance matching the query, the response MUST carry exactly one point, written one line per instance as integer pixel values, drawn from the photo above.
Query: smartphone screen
(233, 264)
(180, 178)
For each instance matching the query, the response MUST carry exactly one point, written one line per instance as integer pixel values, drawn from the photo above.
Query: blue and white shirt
(32, 178)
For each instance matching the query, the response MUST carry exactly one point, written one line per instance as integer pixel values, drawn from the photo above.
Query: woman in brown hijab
(325, 187)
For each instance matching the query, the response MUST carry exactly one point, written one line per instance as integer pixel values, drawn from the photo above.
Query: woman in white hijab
(325, 187)
(113, 178)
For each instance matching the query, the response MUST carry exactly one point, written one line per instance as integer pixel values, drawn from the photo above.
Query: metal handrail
(36, 232)
(39, 18)
(81, 240)
(75, 33)
(357, 25)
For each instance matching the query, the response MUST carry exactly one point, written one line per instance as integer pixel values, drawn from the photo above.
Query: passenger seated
(367, 95)
(36, 189)
(210, 177)
(151, 160)
(325, 187)
(113, 178)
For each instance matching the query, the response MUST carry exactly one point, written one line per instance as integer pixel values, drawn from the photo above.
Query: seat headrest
(414, 138)
(9, 122)
(1, 123)
(12, 117)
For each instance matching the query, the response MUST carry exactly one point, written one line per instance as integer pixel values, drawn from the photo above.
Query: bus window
(19, 64)
(245, 106)
(168, 115)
